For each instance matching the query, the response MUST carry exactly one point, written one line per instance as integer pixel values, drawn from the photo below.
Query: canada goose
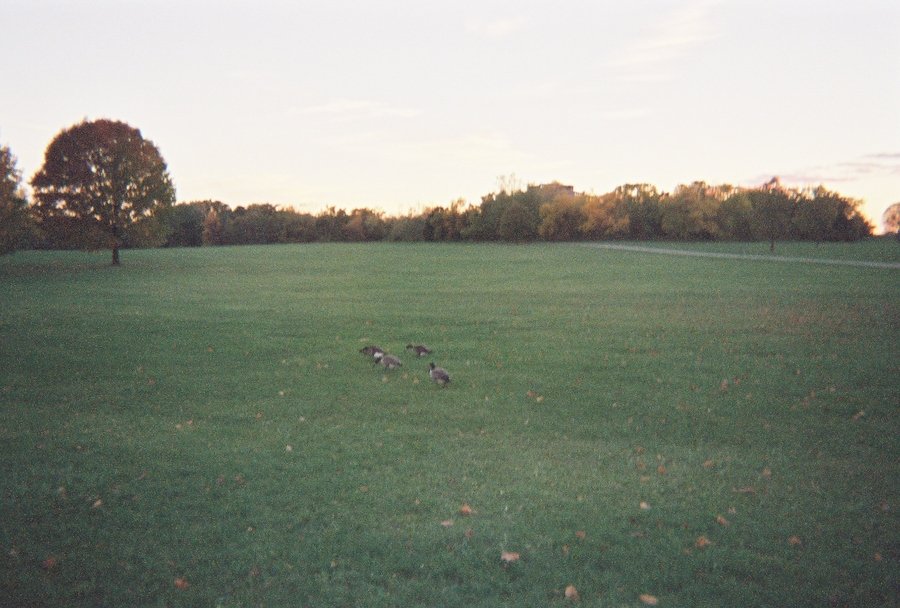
(420, 350)
(438, 374)
(388, 361)
(371, 350)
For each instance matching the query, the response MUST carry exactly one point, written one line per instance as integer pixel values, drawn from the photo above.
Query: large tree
(104, 178)
(14, 218)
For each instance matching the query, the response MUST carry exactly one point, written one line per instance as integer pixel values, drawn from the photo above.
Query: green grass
(147, 412)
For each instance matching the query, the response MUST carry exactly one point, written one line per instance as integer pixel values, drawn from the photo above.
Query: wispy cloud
(497, 28)
(883, 164)
(667, 39)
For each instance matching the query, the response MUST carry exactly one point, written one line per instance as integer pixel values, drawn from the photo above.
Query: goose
(388, 361)
(420, 350)
(438, 374)
(371, 350)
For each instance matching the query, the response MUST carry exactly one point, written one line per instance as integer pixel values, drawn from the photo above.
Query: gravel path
(743, 256)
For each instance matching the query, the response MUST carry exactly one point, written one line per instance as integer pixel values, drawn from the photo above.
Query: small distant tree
(105, 179)
(891, 219)
(690, 213)
(15, 222)
(517, 224)
(562, 218)
(772, 212)
(605, 217)
(733, 217)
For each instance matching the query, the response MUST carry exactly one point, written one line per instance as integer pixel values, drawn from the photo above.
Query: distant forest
(547, 212)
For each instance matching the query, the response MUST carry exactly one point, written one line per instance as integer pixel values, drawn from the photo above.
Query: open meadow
(199, 428)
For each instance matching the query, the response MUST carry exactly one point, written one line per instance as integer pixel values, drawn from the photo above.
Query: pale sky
(397, 105)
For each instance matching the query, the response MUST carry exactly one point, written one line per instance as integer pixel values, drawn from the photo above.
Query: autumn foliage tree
(104, 182)
(891, 219)
(14, 218)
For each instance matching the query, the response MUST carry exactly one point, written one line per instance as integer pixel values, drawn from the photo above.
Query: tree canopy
(102, 182)
(891, 219)
(14, 218)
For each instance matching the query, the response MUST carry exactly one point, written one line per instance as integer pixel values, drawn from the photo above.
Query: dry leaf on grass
(649, 600)
(465, 510)
(509, 557)
(645, 506)
(722, 521)
(580, 534)
(447, 523)
(572, 593)
(181, 583)
(702, 542)
(794, 541)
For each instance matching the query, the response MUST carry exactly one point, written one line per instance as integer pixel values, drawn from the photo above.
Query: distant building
(554, 189)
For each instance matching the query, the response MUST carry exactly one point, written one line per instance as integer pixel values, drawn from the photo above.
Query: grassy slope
(584, 383)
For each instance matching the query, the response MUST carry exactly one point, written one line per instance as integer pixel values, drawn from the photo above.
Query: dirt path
(743, 256)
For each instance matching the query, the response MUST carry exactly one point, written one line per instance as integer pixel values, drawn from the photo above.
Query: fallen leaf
(767, 473)
(572, 593)
(465, 510)
(702, 542)
(794, 541)
(648, 599)
(49, 563)
(509, 557)
(97, 503)
(447, 523)
(645, 506)
(288, 448)
(708, 463)
(744, 490)
(878, 557)
(581, 534)
(181, 583)
(858, 415)
(661, 470)
(469, 533)
(722, 521)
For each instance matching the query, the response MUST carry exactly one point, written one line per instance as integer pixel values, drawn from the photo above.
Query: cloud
(666, 40)
(884, 164)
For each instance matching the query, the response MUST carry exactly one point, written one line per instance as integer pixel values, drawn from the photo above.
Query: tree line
(103, 186)
(547, 212)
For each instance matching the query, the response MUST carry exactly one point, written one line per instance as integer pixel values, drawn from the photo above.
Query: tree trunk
(115, 261)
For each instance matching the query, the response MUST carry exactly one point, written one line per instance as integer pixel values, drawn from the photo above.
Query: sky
(398, 105)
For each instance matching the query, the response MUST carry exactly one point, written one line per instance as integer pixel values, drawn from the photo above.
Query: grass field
(198, 428)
